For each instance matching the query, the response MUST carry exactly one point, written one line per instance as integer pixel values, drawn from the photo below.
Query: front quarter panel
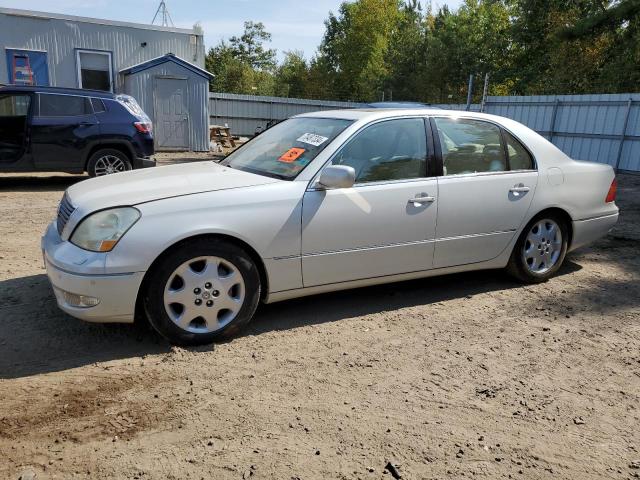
(266, 217)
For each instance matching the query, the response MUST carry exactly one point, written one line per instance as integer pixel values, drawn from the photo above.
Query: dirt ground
(469, 375)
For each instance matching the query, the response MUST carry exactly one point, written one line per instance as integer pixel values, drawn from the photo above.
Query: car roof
(59, 90)
(378, 113)
(398, 105)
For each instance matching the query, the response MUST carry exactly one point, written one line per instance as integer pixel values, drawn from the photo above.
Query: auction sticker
(291, 155)
(312, 139)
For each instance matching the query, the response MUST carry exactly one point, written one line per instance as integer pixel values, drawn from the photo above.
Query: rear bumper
(144, 162)
(587, 231)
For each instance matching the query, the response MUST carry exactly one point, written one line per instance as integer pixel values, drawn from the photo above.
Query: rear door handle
(421, 200)
(520, 188)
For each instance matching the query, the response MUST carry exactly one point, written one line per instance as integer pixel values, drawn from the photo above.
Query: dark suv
(71, 130)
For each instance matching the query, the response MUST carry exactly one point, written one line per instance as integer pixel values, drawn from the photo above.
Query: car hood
(141, 186)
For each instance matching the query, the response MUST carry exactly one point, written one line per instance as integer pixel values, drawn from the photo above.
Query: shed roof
(169, 57)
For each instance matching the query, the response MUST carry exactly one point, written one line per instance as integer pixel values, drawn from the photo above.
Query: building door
(172, 115)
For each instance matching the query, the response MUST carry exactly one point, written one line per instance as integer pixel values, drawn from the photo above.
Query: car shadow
(341, 305)
(36, 337)
(44, 182)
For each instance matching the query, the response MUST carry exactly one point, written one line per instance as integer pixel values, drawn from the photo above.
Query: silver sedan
(320, 202)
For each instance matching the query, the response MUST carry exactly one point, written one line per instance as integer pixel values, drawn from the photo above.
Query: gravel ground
(468, 375)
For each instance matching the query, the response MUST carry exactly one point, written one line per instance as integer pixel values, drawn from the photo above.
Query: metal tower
(163, 14)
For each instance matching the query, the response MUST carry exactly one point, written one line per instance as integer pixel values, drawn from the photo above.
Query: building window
(27, 67)
(94, 70)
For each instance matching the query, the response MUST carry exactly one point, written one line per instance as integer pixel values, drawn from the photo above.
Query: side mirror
(337, 176)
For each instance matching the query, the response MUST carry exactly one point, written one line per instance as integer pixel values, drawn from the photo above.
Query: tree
(243, 64)
(249, 47)
(291, 75)
(355, 45)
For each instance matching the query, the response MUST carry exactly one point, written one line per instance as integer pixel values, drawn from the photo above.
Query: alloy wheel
(542, 247)
(108, 164)
(204, 294)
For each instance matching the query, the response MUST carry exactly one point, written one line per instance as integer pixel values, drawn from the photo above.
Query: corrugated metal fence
(245, 113)
(600, 128)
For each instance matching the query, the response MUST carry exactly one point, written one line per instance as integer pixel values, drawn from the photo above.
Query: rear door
(64, 128)
(488, 181)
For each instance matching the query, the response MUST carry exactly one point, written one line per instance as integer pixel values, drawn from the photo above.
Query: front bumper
(144, 162)
(117, 293)
(587, 231)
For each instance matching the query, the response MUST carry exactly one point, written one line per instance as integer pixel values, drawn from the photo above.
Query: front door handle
(421, 200)
(519, 188)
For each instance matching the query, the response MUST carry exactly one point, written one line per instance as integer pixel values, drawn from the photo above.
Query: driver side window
(388, 150)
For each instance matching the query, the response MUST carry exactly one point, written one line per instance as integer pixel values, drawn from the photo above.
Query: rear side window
(519, 158)
(98, 105)
(470, 146)
(63, 105)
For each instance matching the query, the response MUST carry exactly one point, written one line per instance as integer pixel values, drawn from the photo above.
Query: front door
(62, 132)
(172, 115)
(14, 115)
(484, 194)
(385, 224)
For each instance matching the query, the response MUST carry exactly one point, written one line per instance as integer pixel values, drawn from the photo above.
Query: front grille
(65, 209)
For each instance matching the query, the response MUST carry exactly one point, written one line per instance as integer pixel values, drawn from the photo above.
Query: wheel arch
(255, 257)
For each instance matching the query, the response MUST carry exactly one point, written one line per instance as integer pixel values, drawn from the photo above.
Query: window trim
(109, 55)
(429, 157)
(503, 143)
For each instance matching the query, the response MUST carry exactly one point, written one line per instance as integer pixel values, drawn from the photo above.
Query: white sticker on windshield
(312, 139)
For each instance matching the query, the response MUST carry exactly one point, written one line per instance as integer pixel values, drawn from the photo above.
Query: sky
(294, 24)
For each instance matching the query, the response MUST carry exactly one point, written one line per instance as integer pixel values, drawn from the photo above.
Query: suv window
(63, 105)
(98, 105)
(389, 150)
(14, 105)
(519, 158)
(470, 146)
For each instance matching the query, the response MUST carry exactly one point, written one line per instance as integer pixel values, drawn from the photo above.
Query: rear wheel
(204, 291)
(106, 162)
(540, 250)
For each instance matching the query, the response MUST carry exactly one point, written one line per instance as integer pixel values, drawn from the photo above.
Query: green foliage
(396, 49)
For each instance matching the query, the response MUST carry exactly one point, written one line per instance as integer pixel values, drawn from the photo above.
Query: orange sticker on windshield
(291, 155)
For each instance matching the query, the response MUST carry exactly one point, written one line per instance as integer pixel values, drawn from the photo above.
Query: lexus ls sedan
(323, 201)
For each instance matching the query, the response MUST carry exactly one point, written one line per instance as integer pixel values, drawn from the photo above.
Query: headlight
(100, 231)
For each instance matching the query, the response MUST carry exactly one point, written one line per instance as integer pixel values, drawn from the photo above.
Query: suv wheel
(106, 162)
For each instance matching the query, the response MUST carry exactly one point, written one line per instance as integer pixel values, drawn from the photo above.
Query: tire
(108, 161)
(537, 257)
(203, 291)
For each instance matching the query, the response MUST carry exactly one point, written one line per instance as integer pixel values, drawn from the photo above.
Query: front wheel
(205, 290)
(540, 249)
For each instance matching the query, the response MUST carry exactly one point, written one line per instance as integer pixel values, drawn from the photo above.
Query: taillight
(143, 127)
(611, 195)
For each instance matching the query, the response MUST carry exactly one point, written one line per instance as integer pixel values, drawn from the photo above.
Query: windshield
(286, 148)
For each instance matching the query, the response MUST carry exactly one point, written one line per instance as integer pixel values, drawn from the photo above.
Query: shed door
(172, 115)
